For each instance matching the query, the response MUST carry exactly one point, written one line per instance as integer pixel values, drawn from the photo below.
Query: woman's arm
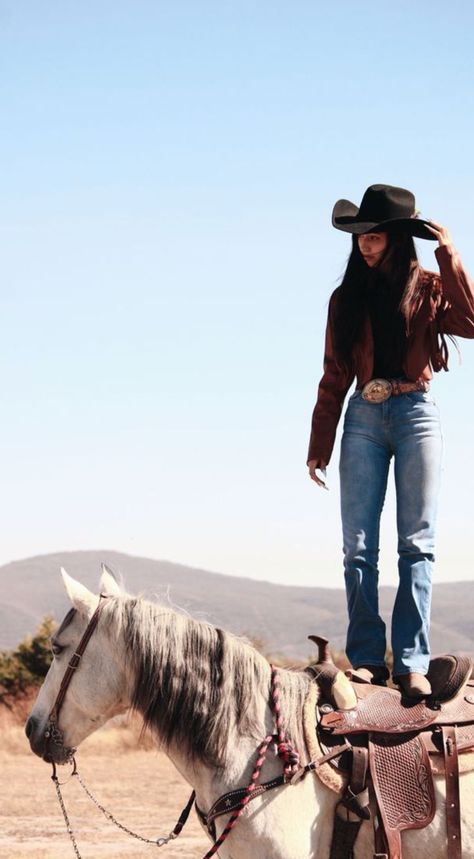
(456, 310)
(332, 390)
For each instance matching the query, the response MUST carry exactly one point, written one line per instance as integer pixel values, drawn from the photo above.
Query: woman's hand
(441, 233)
(319, 465)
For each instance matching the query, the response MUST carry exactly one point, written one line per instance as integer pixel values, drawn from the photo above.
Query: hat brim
(345, 218)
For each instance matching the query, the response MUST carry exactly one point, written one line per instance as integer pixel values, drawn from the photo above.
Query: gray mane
(193, 683)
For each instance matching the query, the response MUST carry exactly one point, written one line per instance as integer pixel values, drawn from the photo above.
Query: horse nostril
(29, 727)
(35, 735)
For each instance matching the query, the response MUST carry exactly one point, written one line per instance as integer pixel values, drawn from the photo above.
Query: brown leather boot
(413, 685)
(377, 675)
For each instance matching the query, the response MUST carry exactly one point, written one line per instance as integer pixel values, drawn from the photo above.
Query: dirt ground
(138, 785)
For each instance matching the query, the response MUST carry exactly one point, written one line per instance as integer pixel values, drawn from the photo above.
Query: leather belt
(379, 390)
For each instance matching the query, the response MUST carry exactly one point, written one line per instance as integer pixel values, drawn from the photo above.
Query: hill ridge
(279, 614)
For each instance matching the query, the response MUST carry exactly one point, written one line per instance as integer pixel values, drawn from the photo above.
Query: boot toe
(413, 685)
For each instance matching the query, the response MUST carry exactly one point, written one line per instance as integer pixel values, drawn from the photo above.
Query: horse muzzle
(48, 743)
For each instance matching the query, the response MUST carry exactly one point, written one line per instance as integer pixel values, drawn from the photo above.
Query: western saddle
(388, 742)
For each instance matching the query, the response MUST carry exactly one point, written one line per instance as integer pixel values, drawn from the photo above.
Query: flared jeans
(406, 427)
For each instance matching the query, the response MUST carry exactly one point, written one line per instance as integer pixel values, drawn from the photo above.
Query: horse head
(81, 690)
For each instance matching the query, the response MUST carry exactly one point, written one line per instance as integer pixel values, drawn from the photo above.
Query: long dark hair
(399, 265)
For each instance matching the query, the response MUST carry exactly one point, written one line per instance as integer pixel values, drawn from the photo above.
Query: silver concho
(377, 390)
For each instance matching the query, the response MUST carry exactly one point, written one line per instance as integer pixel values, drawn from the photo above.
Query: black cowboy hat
(383, 208)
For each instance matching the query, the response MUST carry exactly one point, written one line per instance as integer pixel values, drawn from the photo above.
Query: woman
(386, 327)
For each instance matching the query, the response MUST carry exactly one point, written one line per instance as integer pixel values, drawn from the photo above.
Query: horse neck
(198, 688)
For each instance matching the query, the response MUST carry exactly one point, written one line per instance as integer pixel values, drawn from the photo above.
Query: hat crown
(386, 202)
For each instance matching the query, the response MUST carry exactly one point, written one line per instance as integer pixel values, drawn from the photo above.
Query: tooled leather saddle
(388, 742)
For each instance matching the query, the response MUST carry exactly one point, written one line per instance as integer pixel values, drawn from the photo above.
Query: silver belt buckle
(377, 390)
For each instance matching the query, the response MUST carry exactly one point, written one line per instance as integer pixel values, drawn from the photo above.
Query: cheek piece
(53, 734)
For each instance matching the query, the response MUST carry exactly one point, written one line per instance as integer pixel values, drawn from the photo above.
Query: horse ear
(108, 583)
(83, 600)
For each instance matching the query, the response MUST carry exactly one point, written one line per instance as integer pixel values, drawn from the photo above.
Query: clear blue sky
(168, 174)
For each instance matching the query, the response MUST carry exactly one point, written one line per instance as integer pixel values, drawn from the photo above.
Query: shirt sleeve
(332, 390)
(456, 310)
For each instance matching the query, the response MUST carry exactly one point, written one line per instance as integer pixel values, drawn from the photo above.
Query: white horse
(205, 695)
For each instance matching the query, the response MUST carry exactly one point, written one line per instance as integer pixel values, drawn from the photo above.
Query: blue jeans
(407, 427)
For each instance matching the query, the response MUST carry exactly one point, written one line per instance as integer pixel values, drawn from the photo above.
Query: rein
(233, 802)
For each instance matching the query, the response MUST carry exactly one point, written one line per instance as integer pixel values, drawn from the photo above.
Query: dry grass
(137, 783)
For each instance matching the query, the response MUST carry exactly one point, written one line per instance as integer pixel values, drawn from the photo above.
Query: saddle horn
(324, 653)
(333, 683)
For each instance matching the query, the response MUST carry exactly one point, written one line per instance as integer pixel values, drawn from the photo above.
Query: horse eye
(56, 648)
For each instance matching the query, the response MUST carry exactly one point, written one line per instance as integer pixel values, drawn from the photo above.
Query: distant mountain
(280, 616)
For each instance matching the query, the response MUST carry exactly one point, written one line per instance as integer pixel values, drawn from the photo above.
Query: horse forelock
(193, 683)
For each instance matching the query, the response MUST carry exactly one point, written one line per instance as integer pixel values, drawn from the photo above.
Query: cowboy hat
(383, 208)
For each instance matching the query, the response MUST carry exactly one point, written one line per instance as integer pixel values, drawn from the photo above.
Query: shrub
(29, 663)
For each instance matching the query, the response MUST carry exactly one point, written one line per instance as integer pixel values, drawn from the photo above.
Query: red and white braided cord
(289, 756)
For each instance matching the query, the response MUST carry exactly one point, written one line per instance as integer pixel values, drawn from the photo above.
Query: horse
(204, 694)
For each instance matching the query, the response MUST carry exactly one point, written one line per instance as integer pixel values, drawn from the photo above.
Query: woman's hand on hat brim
(315, 465)
(441, 233)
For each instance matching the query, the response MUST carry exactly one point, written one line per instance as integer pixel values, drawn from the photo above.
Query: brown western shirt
(446, 307)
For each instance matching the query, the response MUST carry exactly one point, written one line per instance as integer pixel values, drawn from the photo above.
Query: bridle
(52, 733)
